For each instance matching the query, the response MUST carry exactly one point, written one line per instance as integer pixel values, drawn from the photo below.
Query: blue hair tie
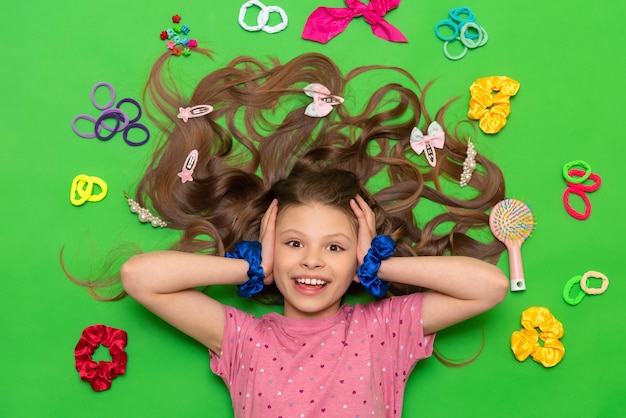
(382, 248)
(251, 252)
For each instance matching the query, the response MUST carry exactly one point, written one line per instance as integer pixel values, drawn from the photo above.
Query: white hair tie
(263, 17)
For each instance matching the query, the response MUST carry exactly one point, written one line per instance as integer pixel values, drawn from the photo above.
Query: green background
(566, 55)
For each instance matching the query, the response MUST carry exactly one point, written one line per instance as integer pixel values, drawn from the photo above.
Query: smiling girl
(283, 196)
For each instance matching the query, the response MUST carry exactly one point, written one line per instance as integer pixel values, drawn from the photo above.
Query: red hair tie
(100, 374)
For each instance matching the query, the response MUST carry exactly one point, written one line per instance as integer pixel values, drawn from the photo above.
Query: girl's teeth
(314, 282)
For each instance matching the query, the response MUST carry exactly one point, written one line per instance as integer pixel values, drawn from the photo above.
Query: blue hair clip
(251, 252)
(382, 248)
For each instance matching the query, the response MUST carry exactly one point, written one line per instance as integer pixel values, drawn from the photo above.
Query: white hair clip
(469, 165)
(143, 214)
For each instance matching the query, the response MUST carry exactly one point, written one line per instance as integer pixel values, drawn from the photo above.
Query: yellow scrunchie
(525, 342)
(491, 108)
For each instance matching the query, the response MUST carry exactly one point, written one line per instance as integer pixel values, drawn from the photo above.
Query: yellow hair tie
(82, 189)
(525, 342)
(490, 102)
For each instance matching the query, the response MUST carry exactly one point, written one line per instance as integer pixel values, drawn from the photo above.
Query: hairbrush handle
(516, 269)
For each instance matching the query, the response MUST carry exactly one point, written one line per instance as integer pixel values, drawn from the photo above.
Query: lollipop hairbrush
(511, 222)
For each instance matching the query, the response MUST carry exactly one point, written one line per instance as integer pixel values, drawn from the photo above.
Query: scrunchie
(251, 252)
(100, 374)
(525, 342)
(382, 248)
(491, 108)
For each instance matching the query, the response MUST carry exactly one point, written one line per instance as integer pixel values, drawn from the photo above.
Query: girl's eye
(334, 247)
(295, 244)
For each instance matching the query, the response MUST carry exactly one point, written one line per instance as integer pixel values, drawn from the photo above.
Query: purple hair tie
(382, 248)
(251, 252)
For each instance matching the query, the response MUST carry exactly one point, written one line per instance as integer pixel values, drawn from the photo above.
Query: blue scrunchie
(251, 252)
(382, 248)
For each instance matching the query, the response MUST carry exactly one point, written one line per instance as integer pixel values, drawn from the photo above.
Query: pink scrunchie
(327, 22)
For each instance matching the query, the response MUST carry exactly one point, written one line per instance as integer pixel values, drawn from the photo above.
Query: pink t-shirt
(352, 364)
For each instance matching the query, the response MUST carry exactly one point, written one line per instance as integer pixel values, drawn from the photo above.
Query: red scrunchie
(100, 374)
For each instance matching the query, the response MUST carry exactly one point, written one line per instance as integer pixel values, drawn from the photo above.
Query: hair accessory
(263, 17)
(584, 288)
(323, 101)
(189, 166)
(469, 165)
(567, 291)
(581, 190)
(175, 42)
(327, 22)
(525, 342)
(590, 290)
(143, 214)
(123, 123)
(100, 374)
(491, 108)
(82, 185)
(461, 26)
(251, 252)
(435, 139)
(382, 248)
(581, 178)
(185, 113)
(511, 222)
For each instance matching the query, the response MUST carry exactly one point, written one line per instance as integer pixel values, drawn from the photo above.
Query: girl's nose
(312, 259)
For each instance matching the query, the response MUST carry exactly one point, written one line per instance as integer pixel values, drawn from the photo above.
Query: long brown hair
(258, 137)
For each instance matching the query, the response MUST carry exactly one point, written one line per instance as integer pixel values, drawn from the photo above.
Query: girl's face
(314, 260)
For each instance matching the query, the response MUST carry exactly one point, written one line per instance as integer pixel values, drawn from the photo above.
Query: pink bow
(323, 101)
(435, 138)
(327, 22)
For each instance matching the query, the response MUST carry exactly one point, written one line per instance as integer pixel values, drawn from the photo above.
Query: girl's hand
(367, 226)
(267, 238)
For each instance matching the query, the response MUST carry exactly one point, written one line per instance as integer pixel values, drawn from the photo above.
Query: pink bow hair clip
(186, 113)
(323, 101)
(434, 139)
(189, 166)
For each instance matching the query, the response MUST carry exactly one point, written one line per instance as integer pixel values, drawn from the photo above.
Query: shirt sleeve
(397, 323)
(227, 363)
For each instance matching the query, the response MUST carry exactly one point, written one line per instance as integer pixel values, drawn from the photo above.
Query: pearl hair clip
(469, 165)
(143, 214)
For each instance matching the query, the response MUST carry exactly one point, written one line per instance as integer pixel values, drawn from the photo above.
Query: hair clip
(469, 165)
(323, 101)
(143, 214)
(189, 166)
(435, 138)
(186, 113)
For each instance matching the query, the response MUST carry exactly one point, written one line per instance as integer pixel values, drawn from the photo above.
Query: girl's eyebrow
(329, 236)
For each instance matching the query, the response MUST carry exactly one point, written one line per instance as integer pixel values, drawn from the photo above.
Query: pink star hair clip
(189, 166)
(323, 101)
(435, 139)
(185, 113)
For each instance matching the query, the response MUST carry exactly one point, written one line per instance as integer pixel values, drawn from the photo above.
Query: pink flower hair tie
(323, 101)
(186, 113)
(435, 139)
